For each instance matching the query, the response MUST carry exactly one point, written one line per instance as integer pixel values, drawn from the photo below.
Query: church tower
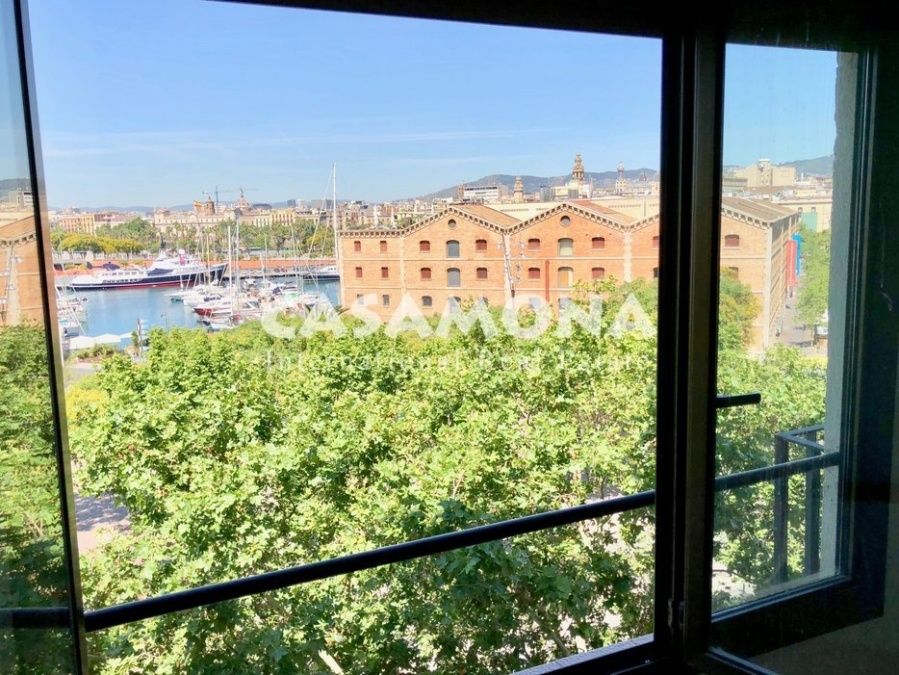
(577, 173)
(621, 181)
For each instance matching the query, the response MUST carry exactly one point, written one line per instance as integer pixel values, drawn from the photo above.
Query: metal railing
(816, 459)
(811, 440)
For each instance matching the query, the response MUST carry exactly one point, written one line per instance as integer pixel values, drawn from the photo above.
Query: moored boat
(180, 270)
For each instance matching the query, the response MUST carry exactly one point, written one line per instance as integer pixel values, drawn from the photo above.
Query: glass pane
(781, 317)
(33, 565)
(547, 595)
(357, 411)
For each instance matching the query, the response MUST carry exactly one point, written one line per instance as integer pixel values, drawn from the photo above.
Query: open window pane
(476, 375)
(789, 328)
(35, 585)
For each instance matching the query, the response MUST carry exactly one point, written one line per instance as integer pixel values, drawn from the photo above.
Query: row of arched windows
(565, 274)
(565, 245)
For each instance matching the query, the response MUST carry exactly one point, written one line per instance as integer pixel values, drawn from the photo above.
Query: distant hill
(8, 184)
(534, 183)
(820, 166)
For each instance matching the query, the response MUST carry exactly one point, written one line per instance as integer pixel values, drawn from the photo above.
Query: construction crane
(217, 192)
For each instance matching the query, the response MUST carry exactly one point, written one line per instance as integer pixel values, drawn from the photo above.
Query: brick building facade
(21, 295)
(476, 252)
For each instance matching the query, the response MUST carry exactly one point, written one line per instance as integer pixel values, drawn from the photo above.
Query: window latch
(675, 615)
(752, 398)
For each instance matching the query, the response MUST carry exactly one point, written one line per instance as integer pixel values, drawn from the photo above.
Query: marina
(118, 312)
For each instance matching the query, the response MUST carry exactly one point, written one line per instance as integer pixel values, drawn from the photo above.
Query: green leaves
(239, 454)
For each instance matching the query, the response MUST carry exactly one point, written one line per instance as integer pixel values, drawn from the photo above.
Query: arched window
(480, 245)
(452, 249)
(598, 242)
(533, 273)
(385, 272)
(453, 277)
(383, 246)
(427, 301)
(566, 248)
(598, 273)
(357, 246)
(482, 272)
(732, 241)
(533, 244)
(424, 246)
(425, 273)
(566, 277)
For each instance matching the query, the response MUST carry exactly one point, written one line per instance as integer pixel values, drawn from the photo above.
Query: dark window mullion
(53, 340)
(688, 289)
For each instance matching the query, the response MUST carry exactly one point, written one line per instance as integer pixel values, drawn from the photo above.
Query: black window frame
(691, 152)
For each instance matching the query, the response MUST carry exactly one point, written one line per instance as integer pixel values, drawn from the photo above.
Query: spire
(577, 173)
(518, 197)
(621, 181)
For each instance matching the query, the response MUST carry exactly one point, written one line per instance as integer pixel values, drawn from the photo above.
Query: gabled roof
(586, 209)
(754, 211)
(603, 210)
(485, 213)
(751, 211)
(479, 214)
(645, 222)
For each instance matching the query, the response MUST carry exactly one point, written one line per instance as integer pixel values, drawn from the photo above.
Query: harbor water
(117, 311)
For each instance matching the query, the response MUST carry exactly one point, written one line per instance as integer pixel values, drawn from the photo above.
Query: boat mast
(334, 210)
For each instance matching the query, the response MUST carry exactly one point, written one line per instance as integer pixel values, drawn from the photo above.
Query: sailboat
(327, 272)
(307, 300)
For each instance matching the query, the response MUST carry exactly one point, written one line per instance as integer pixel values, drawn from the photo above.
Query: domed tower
(621, 181)
(577, 173)
(518, 196)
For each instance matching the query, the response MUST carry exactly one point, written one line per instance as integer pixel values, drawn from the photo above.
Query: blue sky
(153, 103)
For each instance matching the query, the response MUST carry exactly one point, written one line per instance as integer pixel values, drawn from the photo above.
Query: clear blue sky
(152, 103)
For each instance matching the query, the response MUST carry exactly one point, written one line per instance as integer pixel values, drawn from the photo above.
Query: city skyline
(160, 104)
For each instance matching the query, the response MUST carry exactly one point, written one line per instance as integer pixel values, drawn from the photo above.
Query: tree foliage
(242, 453)
(812, 303)
(32, 558)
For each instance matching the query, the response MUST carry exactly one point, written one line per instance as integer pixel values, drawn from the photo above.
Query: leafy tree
(136, 235)
(812, 303)
(32, 558)
(242, 453)
(737, 309)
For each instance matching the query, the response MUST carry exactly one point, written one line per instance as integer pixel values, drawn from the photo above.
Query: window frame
(560, 247)
(691, 149)
(449, 276)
